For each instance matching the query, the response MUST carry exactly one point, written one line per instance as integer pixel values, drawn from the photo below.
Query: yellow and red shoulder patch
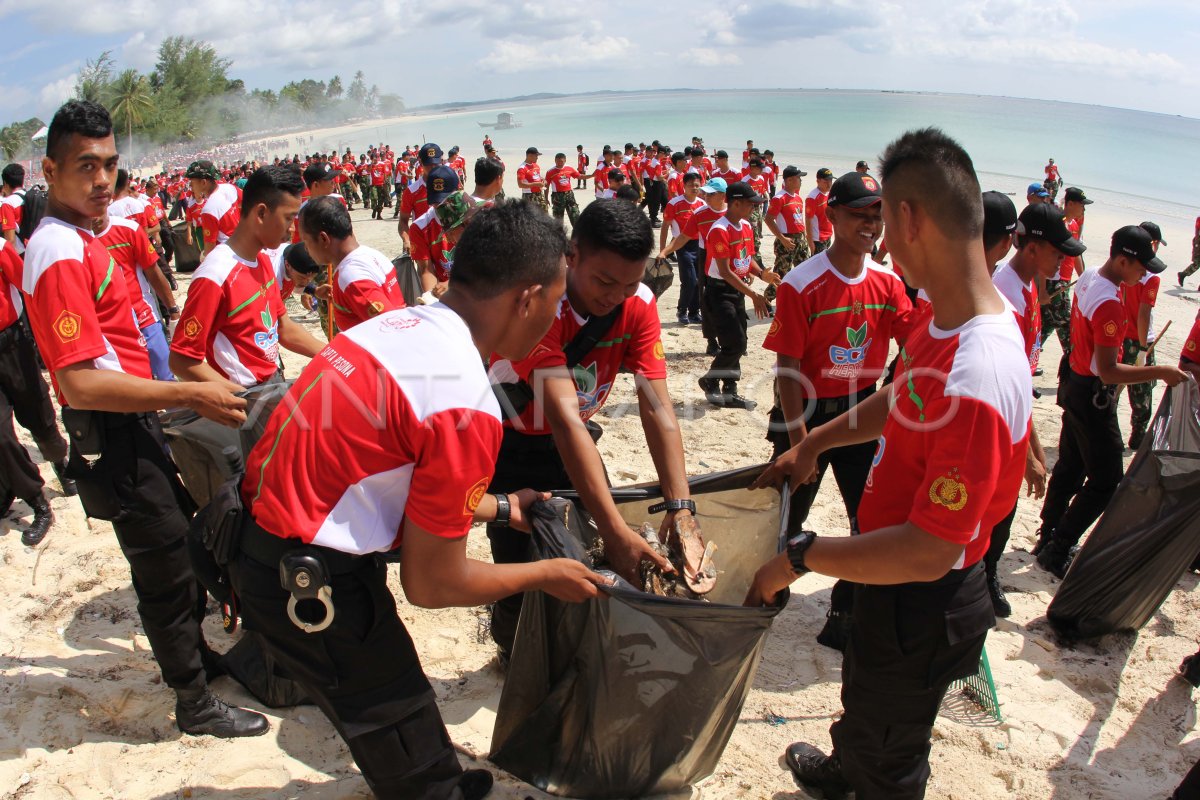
(192, 327)
(948, 491)
(1110, 328)
(475, 496)
(658, 351)
(67, 326)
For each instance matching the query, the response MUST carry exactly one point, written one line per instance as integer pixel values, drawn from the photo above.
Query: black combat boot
(199, 711)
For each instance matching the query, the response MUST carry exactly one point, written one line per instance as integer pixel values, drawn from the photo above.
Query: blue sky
(1136, 55)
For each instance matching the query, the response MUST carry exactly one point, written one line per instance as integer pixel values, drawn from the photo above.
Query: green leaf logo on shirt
(267, 321)
(857, 337)
(585, 378)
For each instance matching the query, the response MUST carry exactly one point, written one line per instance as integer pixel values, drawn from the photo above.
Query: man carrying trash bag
(952, 432)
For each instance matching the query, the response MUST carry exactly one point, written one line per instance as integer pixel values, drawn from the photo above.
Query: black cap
(722, 154)
(430, 154)
(1076, 194)
(532, 151)
(854, 190)
(1154, 231)
(615, 174)
(440, 184)
(743, 191)
(999, 214)
(1045, 221)
(862, 164)
(318, 172)
(1135, 241)
(791, 171)
(825, 172)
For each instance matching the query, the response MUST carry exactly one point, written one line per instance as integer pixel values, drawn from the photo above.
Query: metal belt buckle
(1102, 399)
(304, 575)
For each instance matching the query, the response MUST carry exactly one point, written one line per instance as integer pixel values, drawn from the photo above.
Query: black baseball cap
(1076, 194)
(791, 171)
(862, 164)
(1154, 231)
(430, 155)
(318, 172)
(854, 190)
(1045, 221)
(532, 151)
(722, 154)
(615, 174)
(743, 191)
(825, 172)
(1135, 241)
(441, 183)
(999, 214)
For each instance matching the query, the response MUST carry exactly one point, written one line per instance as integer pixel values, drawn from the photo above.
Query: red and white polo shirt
(1066, 269)
(815, 206)
(1191, 345)
(231, 317)
(414, 200)
(1097, 320)
(679, 212)
(697, 227)
(78, 304)
(134, 209)
(10, 216)
(530, 173)
(1133, 297)
(559, 178)
(788, 212)
(366, 285)
(838, 327)
(632, 344)
(221, 213)
(10, 282)
(952, 454)
(130, 247)
(393, 420)
(1024, 299)
(735, 242)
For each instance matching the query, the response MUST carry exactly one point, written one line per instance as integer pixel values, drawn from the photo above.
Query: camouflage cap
(452, 211)
(203, 170)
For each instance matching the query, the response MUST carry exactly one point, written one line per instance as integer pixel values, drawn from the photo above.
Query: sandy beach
(83, 713)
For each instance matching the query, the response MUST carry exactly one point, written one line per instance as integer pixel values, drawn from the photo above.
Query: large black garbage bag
(408, 279)
(632, 694)
(208, 453)
(1149, 534)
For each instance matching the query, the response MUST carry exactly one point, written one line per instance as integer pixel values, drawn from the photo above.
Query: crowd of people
(482, 391)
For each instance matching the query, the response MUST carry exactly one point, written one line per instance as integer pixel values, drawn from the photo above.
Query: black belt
(840, 405)
(267, 549)
(1088, 381)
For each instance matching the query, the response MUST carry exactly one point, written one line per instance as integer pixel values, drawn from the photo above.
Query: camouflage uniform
(565, 203)
(756, 222)
(1140, 394)
(1056, 315)
(379, 197)
(786, 259)
(539, 200)
(1195, 265)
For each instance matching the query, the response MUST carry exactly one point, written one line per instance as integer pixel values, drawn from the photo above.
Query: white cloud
(572, 52)
(54, 94)
(712, 58)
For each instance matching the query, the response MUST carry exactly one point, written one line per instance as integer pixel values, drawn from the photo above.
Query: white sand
(84, 713)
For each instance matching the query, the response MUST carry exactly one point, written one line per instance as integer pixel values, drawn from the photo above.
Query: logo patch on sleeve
(67, 326)
(947, 490)
(192, 328)
(1110, 328)
(658, 351)
(475, 496)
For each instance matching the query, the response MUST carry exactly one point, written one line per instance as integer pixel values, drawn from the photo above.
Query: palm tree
(12, 143)
(130, 100)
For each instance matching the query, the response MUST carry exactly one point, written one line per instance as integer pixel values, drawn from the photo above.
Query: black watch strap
(797, 549)
(674, 505)
(503, 509)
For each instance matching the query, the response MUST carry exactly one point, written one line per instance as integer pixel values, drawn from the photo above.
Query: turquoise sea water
(1127, 160)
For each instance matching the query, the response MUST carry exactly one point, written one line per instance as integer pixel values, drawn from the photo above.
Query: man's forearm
(162, 289)
(862, 423)
(188, 369)
(297, 339)
(90, 389)
(792, 401)
(899, 554)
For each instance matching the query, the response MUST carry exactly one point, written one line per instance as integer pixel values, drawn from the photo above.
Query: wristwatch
(797, 548)
(503, 509)
(674, 505)
(173, 310)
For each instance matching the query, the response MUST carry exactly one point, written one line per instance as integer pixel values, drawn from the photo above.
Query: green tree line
(189, 96)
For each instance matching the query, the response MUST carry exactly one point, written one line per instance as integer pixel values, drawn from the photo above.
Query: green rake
(981, 689)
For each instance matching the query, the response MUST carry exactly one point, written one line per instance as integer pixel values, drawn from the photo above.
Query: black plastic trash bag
(408, 279)
(208, 453)
(632, 694)
(1149, 534)
(658, 275)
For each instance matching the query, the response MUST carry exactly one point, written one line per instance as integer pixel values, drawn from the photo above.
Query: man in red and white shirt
(410, 467)
(547, 444)
(729, 271)
(1056, 305)
(529, 178)
(425, 231)
(1089, 465)
(84, 326)
(785, 220)
(1137, 349)
(364, 282)
(233, 321)
(837, 313)
(12, 198)
(130, 248)
(562, 196)
(816, 221)
(676, 215)
(415, 200)
(1189, 356)
(695, 230)
(952, 433)
(582, 162)
(722, 169)
(220, 204)
(377, 171)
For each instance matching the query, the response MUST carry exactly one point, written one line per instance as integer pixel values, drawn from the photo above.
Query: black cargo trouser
(135, 485)
(526, 461)
(908, 644)
(363, 672)
(1089, 465)
(24, 397)
(725, 310)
